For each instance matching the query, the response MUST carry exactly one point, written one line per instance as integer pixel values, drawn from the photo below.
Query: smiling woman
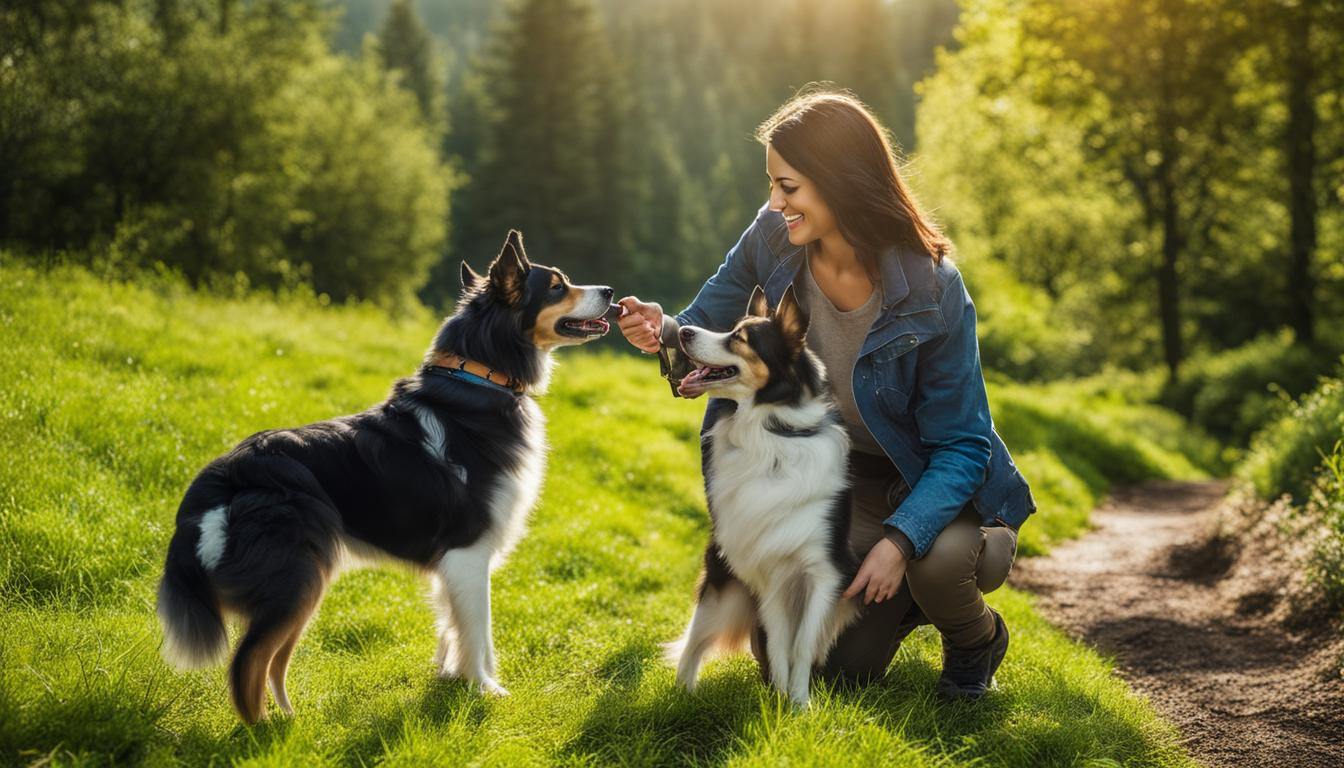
(937, 499)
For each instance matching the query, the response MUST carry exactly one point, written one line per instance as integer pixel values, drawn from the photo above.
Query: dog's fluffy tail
(193, 626)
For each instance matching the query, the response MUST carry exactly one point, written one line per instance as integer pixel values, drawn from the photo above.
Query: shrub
(1286, 456)
(250, 151)
(1020, 334)
(1234, 393)
(1327, 560)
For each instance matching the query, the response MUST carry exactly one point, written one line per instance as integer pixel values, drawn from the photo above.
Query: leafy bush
(1327, 562)
(1020, 335)
(1234, 393)
(1287, 456)
(218, 150)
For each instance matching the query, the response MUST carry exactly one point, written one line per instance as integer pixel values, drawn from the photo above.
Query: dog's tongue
(693, 383)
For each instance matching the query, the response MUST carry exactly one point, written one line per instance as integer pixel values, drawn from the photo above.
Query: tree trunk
(225, 11)
(1168, 285)
(1300, 154)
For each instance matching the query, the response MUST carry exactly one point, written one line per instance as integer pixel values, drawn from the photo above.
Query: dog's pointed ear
(514, 240)
(470, 280)
(757, 306)
(791, 319)
(508, 271)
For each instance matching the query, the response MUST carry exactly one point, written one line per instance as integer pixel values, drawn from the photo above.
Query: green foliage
(1074, 440)
(1287, 456)
(1233, 394)
(405, 47)
(1327, 562)
(1158, 168)
(1021, 331)
(1014, 185)
(220, 144)
(553, 100)
(109, 409)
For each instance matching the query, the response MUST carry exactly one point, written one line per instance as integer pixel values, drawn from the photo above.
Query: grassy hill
(114, 395)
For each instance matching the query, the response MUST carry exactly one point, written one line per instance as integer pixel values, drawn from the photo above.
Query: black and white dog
(776, 479)
(440, 476)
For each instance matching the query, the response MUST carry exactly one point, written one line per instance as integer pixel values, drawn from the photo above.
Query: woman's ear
(757, 306)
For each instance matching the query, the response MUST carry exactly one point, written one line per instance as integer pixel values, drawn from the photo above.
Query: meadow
(116, 393)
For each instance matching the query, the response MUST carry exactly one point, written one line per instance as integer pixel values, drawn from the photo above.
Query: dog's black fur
(296, 501)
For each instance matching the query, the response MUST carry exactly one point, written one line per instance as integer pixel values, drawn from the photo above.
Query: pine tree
(555, 161)
(405, 47)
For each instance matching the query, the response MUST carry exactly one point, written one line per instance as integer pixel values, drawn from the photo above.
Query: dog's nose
(685, 334)
(607, 293)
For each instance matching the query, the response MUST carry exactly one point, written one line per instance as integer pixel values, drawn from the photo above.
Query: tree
(1013, 183)
(553, 162)
(405, 47)
(1303, 41)
(1161, 69)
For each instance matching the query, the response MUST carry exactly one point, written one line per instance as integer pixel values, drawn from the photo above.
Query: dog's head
(510, 317)
(763, 359)
(549, 309)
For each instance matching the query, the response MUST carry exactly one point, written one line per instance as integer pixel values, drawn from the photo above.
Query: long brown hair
(834, 140)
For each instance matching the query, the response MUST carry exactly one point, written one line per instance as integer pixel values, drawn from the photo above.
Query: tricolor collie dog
(776, 479)
(440, 476)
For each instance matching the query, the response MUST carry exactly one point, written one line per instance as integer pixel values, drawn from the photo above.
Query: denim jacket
(917, 380)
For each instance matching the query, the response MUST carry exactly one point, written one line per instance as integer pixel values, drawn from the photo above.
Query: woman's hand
(881, 573)
(641, 323)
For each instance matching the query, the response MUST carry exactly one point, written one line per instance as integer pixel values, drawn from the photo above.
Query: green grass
(1073, 440)
(114, 395)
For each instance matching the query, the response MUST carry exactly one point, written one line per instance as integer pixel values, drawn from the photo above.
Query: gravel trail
(1153, 586)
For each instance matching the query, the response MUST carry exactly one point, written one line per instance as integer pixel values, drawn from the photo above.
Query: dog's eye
(558, 288)
(740, 336)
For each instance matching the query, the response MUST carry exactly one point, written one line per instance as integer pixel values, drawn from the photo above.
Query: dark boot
(969, 672)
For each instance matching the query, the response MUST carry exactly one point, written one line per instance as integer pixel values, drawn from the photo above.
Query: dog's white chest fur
(517, 490)
(772, 494)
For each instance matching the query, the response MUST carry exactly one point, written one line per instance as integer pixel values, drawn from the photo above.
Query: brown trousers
(945, 588)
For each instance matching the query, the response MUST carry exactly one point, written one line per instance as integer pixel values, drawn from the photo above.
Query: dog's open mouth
(710, 374)
(582, 329)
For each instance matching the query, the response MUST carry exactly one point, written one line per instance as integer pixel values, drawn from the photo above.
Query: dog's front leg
(813, 630)
(779, 631)
(447, 658)
(466, 579)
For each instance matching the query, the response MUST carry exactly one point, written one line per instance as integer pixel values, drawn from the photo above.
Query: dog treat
(614, 312)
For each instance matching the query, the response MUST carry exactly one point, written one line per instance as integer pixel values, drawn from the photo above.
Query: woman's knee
(996, 559)
(952, 559)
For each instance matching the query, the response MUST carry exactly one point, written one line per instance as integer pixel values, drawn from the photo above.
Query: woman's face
(795, 196)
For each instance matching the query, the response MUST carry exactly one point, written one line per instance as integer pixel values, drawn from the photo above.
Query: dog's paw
(491, 688)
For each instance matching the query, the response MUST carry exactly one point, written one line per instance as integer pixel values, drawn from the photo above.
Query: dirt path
(1152, 586)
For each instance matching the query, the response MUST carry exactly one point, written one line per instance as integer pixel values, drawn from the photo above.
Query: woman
(937, 499)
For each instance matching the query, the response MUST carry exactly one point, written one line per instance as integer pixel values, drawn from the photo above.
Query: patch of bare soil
(1204, 606)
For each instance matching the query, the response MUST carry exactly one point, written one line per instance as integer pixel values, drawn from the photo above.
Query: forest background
(1143, 185)
(1145, 197)
(1131, 181)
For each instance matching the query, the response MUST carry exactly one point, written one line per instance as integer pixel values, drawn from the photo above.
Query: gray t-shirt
(836, 338)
